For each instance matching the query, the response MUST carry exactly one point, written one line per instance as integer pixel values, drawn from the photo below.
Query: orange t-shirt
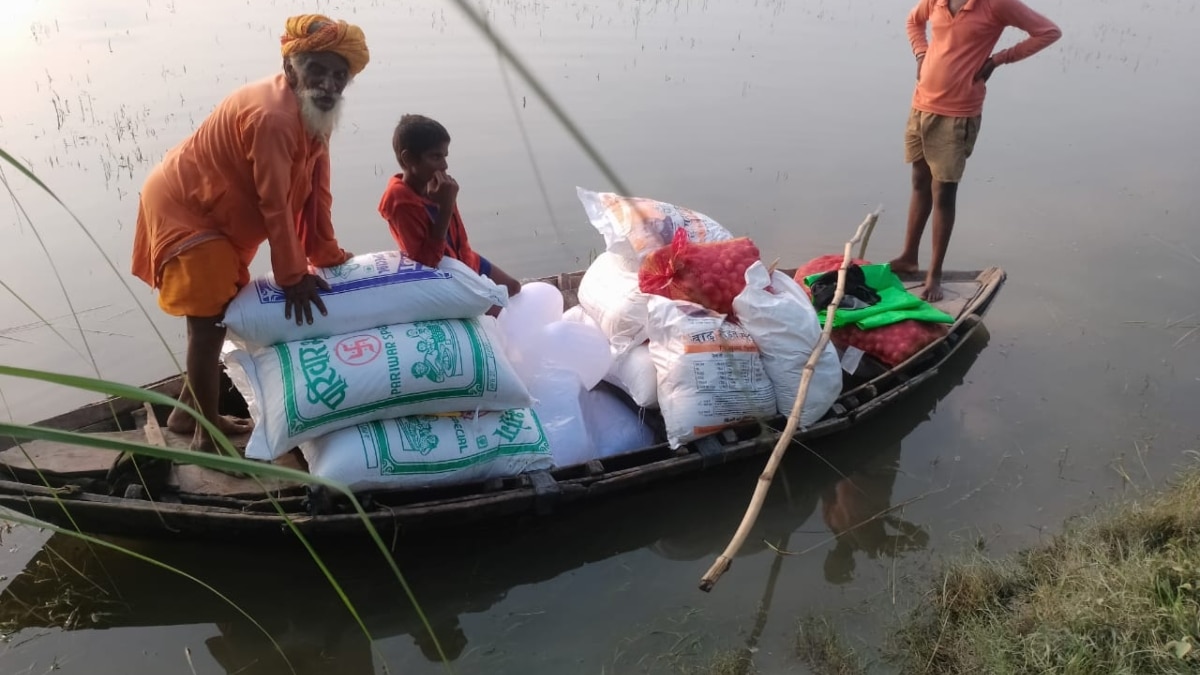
(960, 44)
(250, 173)
(410, 217)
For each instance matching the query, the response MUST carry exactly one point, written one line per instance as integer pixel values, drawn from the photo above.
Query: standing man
(257, 169)
(952, 73)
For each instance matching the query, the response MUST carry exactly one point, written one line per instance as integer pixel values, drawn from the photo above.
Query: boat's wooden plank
(195, 480)
(191, 479)
(184, 441)
(65, 459)
(154, 433)
(957, 296)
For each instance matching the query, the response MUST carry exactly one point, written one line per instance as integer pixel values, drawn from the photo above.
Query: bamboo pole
(725, 560)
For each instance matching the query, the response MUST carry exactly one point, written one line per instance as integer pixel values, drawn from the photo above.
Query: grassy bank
(1118, 592)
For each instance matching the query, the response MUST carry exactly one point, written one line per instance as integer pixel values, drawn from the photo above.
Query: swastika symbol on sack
(358, 350)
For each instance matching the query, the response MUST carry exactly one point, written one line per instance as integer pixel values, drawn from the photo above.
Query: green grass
(1114, 593)
(730, 662)
(820, 647)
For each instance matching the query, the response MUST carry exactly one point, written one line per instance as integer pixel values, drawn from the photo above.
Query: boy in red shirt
(420, 203)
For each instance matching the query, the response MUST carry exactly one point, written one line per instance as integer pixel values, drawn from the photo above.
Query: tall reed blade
(576, 133)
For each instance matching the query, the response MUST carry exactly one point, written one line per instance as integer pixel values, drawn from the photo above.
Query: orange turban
(317, 33)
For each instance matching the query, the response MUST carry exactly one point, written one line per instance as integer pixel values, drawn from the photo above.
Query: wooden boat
(454, 576)
(67, 486)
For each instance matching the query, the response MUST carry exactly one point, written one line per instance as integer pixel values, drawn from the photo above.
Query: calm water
(783, 121)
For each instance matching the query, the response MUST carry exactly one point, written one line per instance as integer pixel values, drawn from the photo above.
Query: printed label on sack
(727, 337)
(649, 224)
(322, 383)
(431, 444)
(730, 387)
(358, 350)
(385, 268)
(331, 379)
(710, 372)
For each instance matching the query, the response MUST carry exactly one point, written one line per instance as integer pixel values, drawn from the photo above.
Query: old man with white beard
(257, 169)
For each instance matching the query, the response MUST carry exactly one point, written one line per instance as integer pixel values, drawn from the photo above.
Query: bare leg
(205, 337)
(919, 207)
(945, 199)
(183, 423)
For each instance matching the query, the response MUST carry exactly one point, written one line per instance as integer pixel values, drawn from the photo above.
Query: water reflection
(311, 649)
(68, 587)
(857, 509)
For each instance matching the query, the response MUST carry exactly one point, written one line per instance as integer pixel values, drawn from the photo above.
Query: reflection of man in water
(312, 649)
(449, 633)
(852, 509)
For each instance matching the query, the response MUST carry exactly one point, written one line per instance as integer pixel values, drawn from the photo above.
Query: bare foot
(229, 425)
(202, 442)
(903, 266)
(932, 291)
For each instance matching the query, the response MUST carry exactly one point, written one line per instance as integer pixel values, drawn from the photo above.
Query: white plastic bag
(609, 293)
(710, 374)
(556, 401)
(300, 390)
(634, 373)
(369, 290)
(576, 315)
(614, 429)
(631, 372)
(785, 327)
(426, 450)
(632, 227)
(574, 345)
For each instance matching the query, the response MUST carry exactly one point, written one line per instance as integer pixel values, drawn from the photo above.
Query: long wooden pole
(724, 560)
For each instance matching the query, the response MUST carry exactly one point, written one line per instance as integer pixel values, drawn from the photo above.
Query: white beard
(319, 123)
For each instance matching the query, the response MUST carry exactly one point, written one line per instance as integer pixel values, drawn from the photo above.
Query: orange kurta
(250, 173)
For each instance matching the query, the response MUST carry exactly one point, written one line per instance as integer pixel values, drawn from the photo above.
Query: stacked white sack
(710, 372)
(426, 451)
(777, 313)
(370, 290)
(299, 391)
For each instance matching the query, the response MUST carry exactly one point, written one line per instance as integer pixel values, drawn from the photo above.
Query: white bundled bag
(369, 290)
(777, 313)
(634, 373)
(632, 227)
(631, 372)
(555, 394)
(609, 293)
(710, 373)
(426, 450)
(614, 429)
(297, 391)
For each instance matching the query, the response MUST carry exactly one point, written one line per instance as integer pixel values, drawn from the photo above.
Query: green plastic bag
(895, 304)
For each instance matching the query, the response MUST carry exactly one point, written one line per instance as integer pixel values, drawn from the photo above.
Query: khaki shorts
(943, 142)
